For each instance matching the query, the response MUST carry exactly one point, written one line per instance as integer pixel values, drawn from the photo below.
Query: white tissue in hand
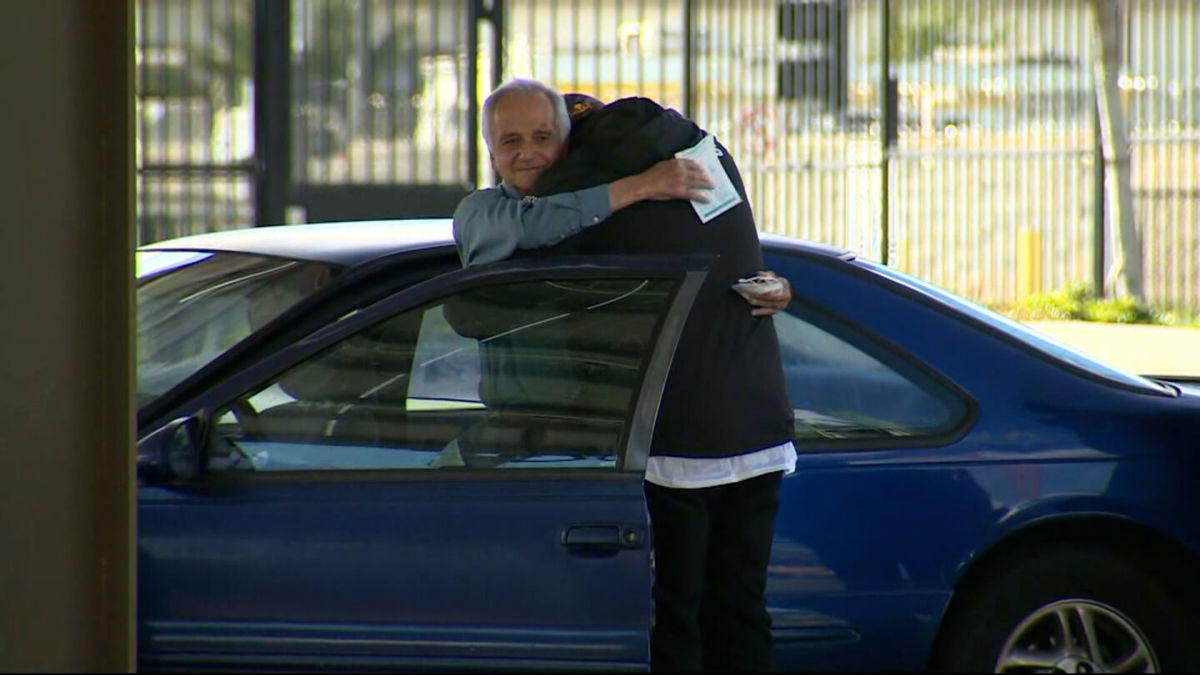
(752, 287)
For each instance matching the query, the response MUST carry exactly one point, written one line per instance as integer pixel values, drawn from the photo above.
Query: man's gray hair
(562, 122)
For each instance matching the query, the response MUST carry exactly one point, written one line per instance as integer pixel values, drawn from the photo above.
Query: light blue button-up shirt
(492, 224)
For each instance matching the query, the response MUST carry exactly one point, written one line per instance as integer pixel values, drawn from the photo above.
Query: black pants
(711, 549)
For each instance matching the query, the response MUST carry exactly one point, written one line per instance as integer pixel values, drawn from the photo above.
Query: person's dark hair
(562, 122)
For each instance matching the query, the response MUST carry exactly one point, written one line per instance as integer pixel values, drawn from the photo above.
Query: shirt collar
(509, 191)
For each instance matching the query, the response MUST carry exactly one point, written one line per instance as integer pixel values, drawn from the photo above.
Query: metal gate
(963, 147)
(194, 116)
(271, 111)
(384, 106)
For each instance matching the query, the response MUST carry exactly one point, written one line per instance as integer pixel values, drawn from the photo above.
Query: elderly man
(526, 133)
(723, 439)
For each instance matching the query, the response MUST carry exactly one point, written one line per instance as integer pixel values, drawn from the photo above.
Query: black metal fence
(381, 100)
(195, 112)
(963, 148)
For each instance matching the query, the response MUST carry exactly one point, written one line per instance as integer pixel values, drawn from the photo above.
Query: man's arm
(669, 179)
(490, 225)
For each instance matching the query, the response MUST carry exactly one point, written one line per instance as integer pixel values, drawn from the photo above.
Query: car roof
(348, 243)
(352, 243)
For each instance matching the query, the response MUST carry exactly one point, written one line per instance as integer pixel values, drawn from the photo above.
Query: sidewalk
(1144, 349)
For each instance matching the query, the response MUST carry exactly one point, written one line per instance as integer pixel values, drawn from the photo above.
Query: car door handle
(605, 536)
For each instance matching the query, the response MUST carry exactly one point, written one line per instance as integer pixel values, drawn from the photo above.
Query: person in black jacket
(723, 440)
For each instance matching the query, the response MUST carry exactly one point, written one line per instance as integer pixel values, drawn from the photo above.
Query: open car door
(450, 478)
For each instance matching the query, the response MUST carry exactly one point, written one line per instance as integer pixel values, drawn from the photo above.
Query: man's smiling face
(525, 141)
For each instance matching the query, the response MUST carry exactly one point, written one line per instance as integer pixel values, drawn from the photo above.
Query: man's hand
(772, 303)
(669, 179)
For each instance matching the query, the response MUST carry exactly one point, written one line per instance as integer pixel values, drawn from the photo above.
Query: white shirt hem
(695, 472)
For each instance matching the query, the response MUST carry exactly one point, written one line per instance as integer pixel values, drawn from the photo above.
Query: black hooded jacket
(725, 393)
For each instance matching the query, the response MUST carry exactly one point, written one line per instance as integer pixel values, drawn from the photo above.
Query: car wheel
(1070, 609)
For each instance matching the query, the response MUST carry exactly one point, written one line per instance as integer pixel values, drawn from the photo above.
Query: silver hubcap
(1077, 636)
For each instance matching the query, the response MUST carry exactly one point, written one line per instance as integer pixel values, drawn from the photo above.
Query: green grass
(1080, 303)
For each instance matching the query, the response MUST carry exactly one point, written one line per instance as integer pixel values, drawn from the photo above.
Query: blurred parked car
(322, 484)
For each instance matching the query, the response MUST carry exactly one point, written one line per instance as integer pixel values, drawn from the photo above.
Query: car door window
(523, 375)
(846, 387)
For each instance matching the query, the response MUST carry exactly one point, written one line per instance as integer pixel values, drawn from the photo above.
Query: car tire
(1029, 613)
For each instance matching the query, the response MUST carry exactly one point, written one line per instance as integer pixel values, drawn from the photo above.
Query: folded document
(723, 196)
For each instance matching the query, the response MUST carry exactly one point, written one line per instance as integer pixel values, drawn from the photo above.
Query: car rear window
(1025, 334)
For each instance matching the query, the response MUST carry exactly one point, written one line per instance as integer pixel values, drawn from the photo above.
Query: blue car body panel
(395, 569)
(331, 572)
(875, 539)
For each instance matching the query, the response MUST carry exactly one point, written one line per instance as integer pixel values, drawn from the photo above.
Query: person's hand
(676, 179)
(772, 303)
(669, 179)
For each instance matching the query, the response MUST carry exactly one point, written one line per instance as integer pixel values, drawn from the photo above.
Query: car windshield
(192, 306)
(1024, 333)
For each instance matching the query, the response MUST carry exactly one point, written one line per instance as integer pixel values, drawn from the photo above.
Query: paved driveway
(1145, 349)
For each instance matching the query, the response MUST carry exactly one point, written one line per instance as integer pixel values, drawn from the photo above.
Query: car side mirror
(175, 451)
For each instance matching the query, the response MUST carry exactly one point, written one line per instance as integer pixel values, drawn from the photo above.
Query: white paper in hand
(723, 196)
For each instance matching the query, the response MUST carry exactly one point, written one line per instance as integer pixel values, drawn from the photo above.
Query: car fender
(1053, 516)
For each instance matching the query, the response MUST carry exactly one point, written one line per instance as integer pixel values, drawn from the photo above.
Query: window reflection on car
(193, 306)
(845, 386)
(421, 389)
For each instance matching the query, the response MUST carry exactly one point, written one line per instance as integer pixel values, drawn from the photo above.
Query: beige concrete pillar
(66, 420)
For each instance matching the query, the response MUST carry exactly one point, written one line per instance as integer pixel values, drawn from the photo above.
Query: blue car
(329, 479)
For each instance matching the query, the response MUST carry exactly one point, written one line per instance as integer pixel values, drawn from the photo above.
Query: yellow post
(1029, 262)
